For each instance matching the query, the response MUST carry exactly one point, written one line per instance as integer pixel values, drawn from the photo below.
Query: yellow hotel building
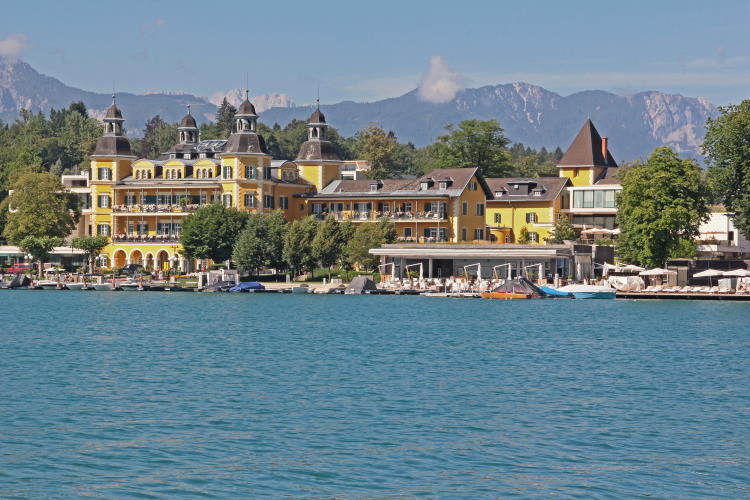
(141, 203)
(585, 190)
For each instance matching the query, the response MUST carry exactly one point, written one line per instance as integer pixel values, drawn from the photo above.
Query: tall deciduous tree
(298, 252)
(211, 231)
(39, 247)
(475, 143)
(158, 137)
(367, 236)
(92, 245)
(661, 207)
(381, 150)
(727, 145)
(261, 243)
(563, 230)
(328, 243)
(41, 207)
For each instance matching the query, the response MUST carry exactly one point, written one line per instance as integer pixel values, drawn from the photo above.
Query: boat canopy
(519, 285)
(247, 285)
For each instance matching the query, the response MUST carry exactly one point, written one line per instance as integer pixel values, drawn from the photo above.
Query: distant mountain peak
(530, 114)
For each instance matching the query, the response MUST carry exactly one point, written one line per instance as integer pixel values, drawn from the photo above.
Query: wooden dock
(684, 296)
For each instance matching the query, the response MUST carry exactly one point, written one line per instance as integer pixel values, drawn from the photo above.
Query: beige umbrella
(657, 271)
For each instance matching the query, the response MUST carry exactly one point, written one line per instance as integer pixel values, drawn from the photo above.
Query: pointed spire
(188, 108)
(588, 149)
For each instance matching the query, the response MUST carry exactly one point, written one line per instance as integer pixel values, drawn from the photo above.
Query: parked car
(131, 269)
(20, 268)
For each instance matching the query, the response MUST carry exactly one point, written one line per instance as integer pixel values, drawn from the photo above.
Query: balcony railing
(421, 239)
(146, 238)
(139, 209)
(377, 216)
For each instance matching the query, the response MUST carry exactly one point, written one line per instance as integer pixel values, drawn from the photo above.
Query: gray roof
(457, 179)
(246, 108)
(549, 188)
(317, 150)
(112, 145)
(245, 142)
(188, 122)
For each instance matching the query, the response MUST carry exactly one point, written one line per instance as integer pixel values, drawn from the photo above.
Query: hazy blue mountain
(530, 114)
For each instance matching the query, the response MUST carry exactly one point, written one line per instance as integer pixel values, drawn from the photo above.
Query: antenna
(317, 99)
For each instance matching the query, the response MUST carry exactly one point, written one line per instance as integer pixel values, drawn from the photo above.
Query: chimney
(604, 149)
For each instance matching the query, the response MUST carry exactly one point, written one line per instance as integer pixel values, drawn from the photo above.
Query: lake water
(158, 395)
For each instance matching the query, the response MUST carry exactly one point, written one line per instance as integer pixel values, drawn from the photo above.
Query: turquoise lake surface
(188, 395)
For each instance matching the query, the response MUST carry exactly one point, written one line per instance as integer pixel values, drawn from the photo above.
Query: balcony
(421, 239)
(378, 216)
(155, 209)
(145, 238)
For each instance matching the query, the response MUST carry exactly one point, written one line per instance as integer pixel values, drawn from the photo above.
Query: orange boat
(508, 295)
(518, 288)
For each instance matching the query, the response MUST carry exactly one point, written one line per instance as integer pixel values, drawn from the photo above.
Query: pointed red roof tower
(588, 151)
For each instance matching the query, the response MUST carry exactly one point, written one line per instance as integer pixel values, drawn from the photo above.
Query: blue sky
(371, 50)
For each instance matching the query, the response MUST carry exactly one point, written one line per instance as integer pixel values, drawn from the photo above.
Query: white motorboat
(589, 291)
(103, 287)
(76, 286)
(47, 284)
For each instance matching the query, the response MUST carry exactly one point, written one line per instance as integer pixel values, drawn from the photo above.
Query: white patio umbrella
(596, 230)
(657, 271)
(709, 273)
(737, 273)
(632, 268)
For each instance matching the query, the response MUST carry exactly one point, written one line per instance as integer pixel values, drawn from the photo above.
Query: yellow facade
(507, 219)
(581, 176)
(320, 173)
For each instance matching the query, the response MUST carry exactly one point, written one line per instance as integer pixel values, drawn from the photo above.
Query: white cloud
(439, 84)
(13, 45)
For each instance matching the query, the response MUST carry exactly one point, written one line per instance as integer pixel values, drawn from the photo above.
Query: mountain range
(530, 114)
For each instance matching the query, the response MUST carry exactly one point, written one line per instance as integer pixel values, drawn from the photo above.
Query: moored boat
(302, 289)
(103, 287)
(76, 286)
(47, 284)
(507, 295)
(589, 291)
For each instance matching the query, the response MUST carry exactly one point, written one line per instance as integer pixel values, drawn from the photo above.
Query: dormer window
(443, 185)
(424, 185)
(172, 156)
(202, 155)
(373, 187)
(537, 193)
(499, 193)
(186, 156)
(515, 186)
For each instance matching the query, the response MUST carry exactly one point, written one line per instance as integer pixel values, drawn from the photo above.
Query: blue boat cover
(247, 285)
(555, 293)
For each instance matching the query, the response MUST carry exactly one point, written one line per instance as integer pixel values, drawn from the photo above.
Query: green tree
(381, 150)
(158, 138)
(662, 205)
(298, 253)
(328, 243)
(211, 231)
(92, 245)
(475, 143)
(523, 236)
(41, 207)
(563, 230)
(39, 247)
(367, 236)
(727, 145)
(261, 243)
(225, 118)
